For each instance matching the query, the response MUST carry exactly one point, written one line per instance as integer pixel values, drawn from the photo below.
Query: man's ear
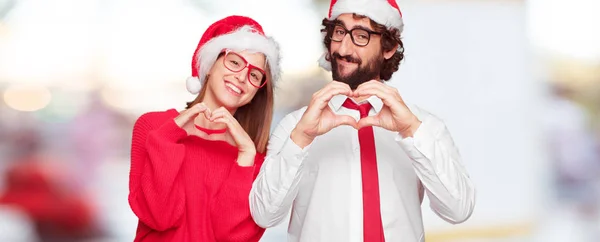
(388, 54)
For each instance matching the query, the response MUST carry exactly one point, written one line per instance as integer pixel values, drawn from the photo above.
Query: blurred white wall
(470, 63)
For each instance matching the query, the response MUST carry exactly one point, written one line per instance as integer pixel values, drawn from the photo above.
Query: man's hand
(318, 117)
(394, 116)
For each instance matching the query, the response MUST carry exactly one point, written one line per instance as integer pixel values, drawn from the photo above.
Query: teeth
(234, 88)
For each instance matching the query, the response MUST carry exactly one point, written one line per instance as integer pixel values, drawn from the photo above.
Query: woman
(192, 171)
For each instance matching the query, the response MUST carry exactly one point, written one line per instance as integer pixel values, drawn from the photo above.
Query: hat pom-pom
(193, 85)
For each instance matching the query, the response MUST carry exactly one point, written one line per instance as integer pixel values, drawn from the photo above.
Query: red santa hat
(237, 33)
(385, 12)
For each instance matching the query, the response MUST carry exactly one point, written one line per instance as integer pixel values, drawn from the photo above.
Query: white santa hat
(385, 12)
(237, 33)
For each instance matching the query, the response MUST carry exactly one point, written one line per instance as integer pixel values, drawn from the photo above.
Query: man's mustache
(346, 58)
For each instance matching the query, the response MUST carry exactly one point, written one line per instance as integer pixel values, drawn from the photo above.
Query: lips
(233, 88)
(344, 62)
(346, 58)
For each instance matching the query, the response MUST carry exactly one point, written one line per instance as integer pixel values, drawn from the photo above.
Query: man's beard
(361, 75)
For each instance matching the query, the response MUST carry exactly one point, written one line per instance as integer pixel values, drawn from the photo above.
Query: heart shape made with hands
(361, 122)
(224, 127)
(206, 115)
(211, 134)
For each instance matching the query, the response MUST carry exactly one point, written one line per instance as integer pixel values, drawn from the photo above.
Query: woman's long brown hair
(255, 117)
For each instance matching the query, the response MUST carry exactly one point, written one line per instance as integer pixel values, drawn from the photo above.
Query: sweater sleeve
(156, 194)
(231, 212)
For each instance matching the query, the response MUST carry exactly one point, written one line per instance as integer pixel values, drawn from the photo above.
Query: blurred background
(516, 81)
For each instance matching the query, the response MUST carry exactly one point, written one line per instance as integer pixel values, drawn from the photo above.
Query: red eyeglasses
(236, 63)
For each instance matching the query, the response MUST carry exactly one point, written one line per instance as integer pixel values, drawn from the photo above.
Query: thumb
(368, 121)
(195, 110)
(207, 113)
(345, 120)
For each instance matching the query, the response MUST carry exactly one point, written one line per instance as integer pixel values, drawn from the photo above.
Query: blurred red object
(56, 211)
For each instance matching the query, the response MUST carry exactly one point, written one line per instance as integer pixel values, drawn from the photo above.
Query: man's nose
(346, 46)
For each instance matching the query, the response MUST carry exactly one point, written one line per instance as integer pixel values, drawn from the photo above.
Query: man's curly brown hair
(389, 39)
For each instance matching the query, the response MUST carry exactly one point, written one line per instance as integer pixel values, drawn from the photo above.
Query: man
(349, 180)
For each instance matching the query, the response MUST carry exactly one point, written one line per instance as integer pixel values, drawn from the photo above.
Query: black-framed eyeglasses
(359, 36)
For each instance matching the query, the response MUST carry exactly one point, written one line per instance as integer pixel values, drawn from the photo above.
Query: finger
(373, 90)
(223, 120)
(370, 83)
(361, 86)
(207, 113)
(221, 109)
(345, 120)
(340, 84)
(388, 97)
(219, 112)
(328, 94)
(218, 117)
(374, 84)
(188, 114)
(368, 121)
(322, 100)
(200, 108)
(378, 85)
(225, 117)
(196, 109)
(332, 85)
(235, 130)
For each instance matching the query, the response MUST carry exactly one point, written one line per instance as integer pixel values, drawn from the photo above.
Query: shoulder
(154, 119)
